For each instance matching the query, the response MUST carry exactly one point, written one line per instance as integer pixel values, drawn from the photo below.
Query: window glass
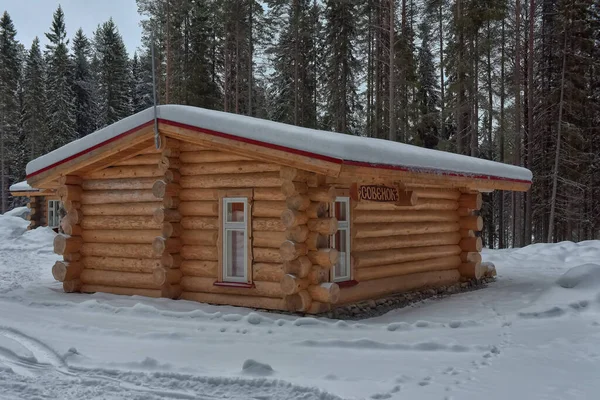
(341, 245)
(341, 211)
(235, 212)
(341, 239)
(234, 257)
(236, 260)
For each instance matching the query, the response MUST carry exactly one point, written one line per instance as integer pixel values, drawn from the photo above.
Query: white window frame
(53, 213)
(234, 226)
(343, 226)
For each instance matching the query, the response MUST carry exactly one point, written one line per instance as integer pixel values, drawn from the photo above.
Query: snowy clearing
(535, 333)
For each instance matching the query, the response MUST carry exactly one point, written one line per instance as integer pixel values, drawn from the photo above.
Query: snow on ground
(533, 334)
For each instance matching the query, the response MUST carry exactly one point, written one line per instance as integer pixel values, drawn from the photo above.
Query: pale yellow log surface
(120, 236)
(206, 269)
(142, 159)
(236, 300)
(386, 257)
(129, 209)
(402, 228)
(260, 179)
(205, 253)
(200, 223)
(422, 204)
(268, 209)
(199, 208)
(405, 241)
(65, 271)
(199, 237)
(228, 167)
(268, 224)
(411, 267)
(199, 194)
(122, 264)
(119, 279)
(119, 222)
(268, 239)
(196, 155)
(266, 255)
(118, 184)
(141, 171)
(206, 285)
(385, 286)
(117, 250)
(267, 272)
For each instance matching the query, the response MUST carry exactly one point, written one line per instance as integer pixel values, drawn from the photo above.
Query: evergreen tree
(9, 106)
(113, 75)
(83, 86)
(427, 96)
(341, 66)
(141, 83)
(34, 117)
(60, 106)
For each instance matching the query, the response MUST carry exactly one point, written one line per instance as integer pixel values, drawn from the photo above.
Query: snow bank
(20, 212)
(22, 187)
(586, 276)
(339, 146)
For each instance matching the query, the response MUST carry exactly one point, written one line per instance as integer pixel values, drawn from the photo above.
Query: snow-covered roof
(334, 146)
(21, 187)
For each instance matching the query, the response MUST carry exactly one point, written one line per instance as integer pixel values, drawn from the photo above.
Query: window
(234, 261)
(53, 213)
(341, 239)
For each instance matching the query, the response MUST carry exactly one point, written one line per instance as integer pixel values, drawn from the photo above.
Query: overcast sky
(33, 18)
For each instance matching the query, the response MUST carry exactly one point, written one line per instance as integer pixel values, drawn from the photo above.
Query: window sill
(235, 285)
(347, 284)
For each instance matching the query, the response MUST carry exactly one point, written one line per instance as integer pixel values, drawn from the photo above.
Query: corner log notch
(306, 254)
(70, 241)
(470, 243)
(168, 245)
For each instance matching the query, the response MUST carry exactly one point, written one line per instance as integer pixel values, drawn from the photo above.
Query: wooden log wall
(37, 212)
(204, 173)
(306, 254)
(401, 248)
(113, 241)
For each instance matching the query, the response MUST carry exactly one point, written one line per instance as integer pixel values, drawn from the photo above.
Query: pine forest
(512, 81)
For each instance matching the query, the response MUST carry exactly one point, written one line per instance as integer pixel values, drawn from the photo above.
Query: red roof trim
(85, 151)
(281, 148)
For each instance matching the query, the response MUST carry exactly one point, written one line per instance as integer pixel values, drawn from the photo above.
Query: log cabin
(44, 205)
(195, 204)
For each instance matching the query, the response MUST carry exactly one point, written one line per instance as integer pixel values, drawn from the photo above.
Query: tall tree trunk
(529, 200)
(392, 105)
(501, 231)
(296, 60)
(250, 58)
(558, 139)
(169, 61)
(474, 97)
(442, 97)
(517, 211)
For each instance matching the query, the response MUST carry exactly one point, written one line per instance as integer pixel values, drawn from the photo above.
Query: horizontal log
(396, 256)
(259, 179)
(197, 156)
(294, 174)
(116, 196)
(292, 218)
(66, 271)
(122, 264)
(121, 291)
(297, 233)
(164, 276)
(325, 292)
(206, 285)
(71, 257)
(171, 202)
(133, 171)
(268, 209)
(118, 184)
(289, 188)
(93, 222)
(298, 202)
(205, 253)
(324, 226)
(367, 216)
(70, 180)
(119, 279)
(472, 270)
(291, 284)
(266, 255)
(471, 201)
(299, 267)
(141, 159)
(473, 222)
(69, 192)
(300, 301)
(161, 245)
(318, 275)
(402, 228)
(200, 223)
(291, 250)
(72, 286)
(316, 241)
(227, 167)
(199, 194)
(317, 210)
(120, 236)
(171, 176)
(269, 194)
(385, 286)
(465, 233)
(268, 239)
(236, 300)
(171, 260)
(199, 237)
(74, 216)
(167, 163)
(406, 268)
(69, 228)
(162, 214)
(130, 209)
(471, 244)
(70, 205)
(64, 244)
(267, 224)
(326, 194)
(407, 198)
(405, 241)
(267, 272)
(326, 258)
(117, 250)
(464, 212)
(199, 208)
(433, 193)
(206, 269)
(162, 189)
(473, 257)
(422, 204)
